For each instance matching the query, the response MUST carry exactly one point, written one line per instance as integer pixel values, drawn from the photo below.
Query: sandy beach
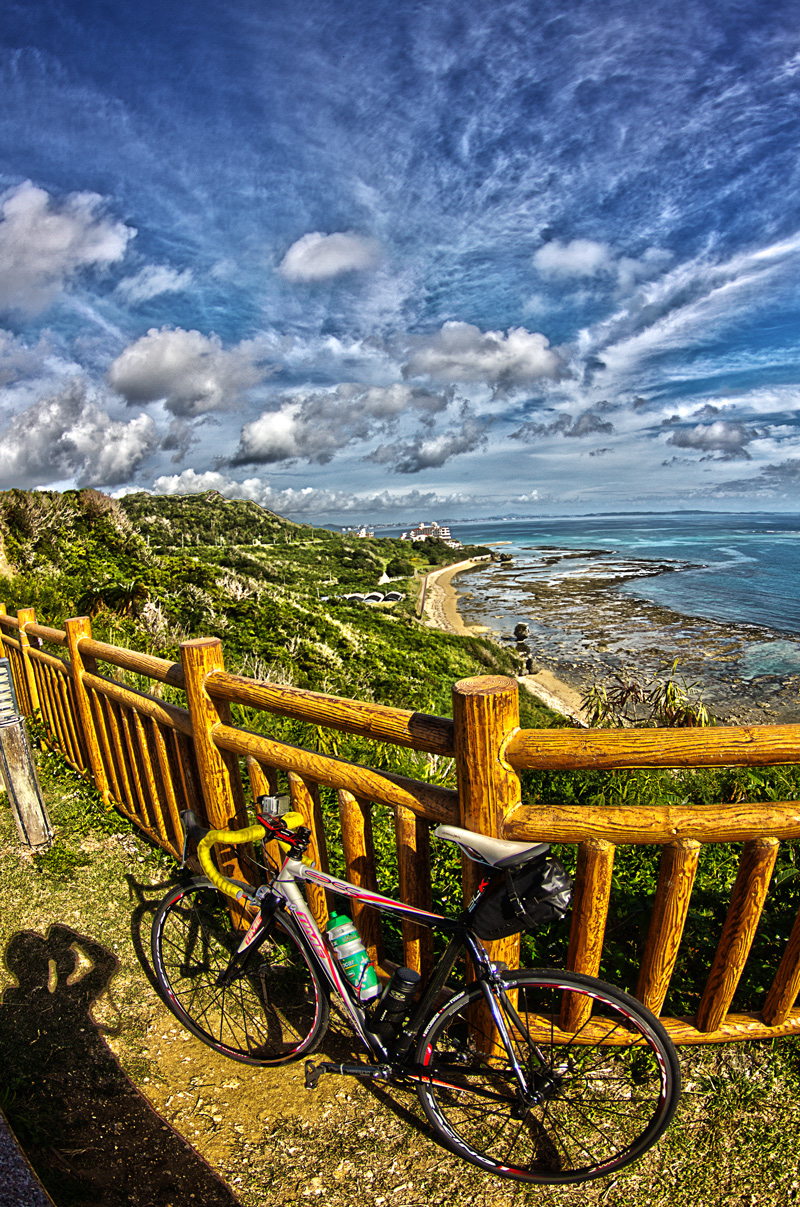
(440, 611)
(440, 600)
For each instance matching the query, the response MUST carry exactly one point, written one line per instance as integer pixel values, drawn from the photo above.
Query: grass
(733, 1142)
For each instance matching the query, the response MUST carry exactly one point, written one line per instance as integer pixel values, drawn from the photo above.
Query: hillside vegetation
(153, 571)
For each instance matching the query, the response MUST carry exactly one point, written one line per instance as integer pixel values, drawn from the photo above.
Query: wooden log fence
(151, 758)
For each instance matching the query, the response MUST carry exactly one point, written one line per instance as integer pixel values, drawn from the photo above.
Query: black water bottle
(394, 1001)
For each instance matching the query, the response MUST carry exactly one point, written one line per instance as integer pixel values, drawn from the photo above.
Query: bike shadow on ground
(341, 1046)
(148, 897)
(90, 1136)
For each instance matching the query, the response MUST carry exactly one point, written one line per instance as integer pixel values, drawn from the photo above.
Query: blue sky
(395, 260)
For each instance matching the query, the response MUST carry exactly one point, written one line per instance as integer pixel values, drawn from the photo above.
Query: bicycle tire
(603, 1105)
(275, 1009)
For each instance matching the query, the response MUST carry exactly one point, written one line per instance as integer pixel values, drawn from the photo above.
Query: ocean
(583, 583)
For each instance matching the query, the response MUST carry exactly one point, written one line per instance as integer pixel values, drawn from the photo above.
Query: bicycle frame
(283, 889)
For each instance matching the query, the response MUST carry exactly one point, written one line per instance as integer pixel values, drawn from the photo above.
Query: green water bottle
(350, 952)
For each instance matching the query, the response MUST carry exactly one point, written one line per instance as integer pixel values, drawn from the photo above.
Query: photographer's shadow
(89, 1134)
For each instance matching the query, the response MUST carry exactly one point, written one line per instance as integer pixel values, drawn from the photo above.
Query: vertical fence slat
(126, 795)
(186, 773)
(747, 901)
(103, 730)
(27, 616)
(412, 838)
(75, 729)
(263, 780)
(589, 912)
(786, 986)
(58, 687)
(45, 712)
(305, 798)
(134, 763)
(359, 856)
(50, 695)
(77, 628)
(149, 778)
(675, 880)
(172, 822)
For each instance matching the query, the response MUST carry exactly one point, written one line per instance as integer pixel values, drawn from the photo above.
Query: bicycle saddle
(494, 851)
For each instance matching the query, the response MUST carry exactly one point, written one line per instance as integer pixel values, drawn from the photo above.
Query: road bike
(503, 1081)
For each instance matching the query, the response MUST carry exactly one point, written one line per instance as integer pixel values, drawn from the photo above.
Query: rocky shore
(582, 629)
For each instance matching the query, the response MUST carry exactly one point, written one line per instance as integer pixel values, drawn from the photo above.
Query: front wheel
(271, 1010)
(591, 1101)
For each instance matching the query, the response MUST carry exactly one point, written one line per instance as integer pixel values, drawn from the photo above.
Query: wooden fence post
(28, 616)
(590, 898)
(78, 628)
(220, 778)
(485, 715)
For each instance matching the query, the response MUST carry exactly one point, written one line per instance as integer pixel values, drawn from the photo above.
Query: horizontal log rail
(420, 731)
(45, 659)
(147, 706)
(439, 805)
(54, 636)
(149, 665)
(650, 824)
(625, 749)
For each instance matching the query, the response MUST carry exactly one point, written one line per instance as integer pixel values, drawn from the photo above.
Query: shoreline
(440, 611)
(580, 635)
(440, 601)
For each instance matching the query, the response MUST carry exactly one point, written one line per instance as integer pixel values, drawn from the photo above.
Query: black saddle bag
(523, 899)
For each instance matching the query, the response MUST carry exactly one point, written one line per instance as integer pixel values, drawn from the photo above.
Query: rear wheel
(272, 1010)
(592, 1102)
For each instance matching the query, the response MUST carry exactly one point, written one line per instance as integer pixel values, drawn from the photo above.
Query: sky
(394, 260)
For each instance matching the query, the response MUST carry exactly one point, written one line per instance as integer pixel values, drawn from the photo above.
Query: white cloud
(586, 258)
(309, 501)
(580, 258)
(431, 451)
(461, 352)
(318, 257)
(67, 435)
(18, 359)
(45, 243)
(191, 372)
(729, 439)
(588, 423)
(153, 280)
(315, 426)
(684, 307)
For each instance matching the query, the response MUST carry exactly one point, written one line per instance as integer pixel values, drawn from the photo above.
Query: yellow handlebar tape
(235, 837)
(251, 834)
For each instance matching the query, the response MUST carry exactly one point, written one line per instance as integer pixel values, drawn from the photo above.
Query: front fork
(256, 935)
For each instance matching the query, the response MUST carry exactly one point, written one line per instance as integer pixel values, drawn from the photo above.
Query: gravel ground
(19, 1186)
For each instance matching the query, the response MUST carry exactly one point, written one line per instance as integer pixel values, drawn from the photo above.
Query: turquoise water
(727, 567)
(734, 568)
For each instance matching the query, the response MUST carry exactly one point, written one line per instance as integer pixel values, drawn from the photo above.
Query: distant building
(363, 531)
(440, 531)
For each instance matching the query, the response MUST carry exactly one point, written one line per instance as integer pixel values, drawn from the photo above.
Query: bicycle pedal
(314, 1072)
